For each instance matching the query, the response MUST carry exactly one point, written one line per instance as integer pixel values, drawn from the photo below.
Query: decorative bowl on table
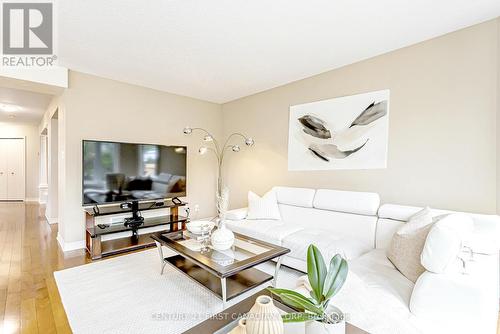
(196, 226)
(222, 238)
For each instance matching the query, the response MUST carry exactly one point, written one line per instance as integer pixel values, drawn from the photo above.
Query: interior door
(15, 169)
(3, 169)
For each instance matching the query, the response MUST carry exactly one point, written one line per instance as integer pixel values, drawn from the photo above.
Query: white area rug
(127, 294)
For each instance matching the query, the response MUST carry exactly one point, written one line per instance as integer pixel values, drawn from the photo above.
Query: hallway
(29, 254)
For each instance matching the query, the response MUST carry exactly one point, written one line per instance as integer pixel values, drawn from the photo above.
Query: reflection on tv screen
(116, 172)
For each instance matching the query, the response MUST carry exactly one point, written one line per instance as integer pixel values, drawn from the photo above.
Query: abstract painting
(349, 132)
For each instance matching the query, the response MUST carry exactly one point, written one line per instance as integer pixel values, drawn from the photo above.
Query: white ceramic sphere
(222, 238)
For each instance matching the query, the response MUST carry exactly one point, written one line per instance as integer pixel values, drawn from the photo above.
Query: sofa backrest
(360, 216)
(344, 213)
(302, 197)
(355, 202)
(361, 203)
(486, 237)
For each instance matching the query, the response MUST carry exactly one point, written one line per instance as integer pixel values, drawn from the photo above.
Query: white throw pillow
(407, 244)
(444, 242)
(265, 207)
(441, 249)
(461, 223)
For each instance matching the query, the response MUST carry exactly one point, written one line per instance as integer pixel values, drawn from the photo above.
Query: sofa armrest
(237, 214)
(443, 299)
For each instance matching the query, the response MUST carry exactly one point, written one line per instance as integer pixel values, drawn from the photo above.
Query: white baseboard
(31, 199)
(69, 246)
(51, 220)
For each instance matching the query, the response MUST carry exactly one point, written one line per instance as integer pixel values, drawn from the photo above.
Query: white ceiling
(29, 106)
(222, 50)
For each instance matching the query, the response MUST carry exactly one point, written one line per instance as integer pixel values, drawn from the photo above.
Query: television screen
(118, 172)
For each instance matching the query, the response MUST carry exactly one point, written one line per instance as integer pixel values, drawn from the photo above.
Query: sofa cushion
(379, 273)
(442, 299)
(362, 203)
(338, 224)
(237, 214)
(327, 243)
(265, 207)
(272, 231)
(295, 196)
(374, 310)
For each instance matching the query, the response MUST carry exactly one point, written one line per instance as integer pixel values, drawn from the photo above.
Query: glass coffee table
(228, 273)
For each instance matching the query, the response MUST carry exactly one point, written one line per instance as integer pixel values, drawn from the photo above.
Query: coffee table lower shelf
(235, 285)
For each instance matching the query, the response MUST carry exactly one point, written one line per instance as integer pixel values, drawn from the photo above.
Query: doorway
(52, 169)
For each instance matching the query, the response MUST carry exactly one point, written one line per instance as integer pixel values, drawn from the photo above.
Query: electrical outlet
(196, 208)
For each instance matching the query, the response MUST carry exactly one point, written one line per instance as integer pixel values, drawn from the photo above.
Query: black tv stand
(134, 224)
(136, 220)
(100, 222)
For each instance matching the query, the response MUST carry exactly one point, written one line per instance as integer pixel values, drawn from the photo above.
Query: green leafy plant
(325, 284)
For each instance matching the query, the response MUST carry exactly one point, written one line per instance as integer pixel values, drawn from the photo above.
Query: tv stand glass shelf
(96, 228)
(103, 229)
(105, 210)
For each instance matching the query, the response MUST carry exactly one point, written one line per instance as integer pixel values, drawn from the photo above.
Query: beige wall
(442, 125)
(97, 108)
(30, 132)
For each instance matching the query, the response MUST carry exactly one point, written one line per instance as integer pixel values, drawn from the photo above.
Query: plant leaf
(299, 317)
(296, 300)
(283, 294)
(337, 274)
(316, 272)
(278, 292)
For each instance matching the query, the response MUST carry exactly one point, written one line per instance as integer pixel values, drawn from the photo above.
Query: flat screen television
(119, 172)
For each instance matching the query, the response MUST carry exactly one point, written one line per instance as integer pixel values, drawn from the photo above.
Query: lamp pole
(219, 152)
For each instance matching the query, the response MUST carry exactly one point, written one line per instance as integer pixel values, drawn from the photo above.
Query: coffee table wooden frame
(226, 282)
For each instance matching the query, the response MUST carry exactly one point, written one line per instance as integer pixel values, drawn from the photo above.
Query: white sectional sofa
(356, 226)
(335, 221)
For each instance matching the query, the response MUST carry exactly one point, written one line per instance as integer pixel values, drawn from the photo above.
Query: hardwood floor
(29, 254)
